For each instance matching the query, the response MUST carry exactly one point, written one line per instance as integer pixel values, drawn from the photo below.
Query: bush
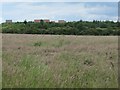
(70, 28)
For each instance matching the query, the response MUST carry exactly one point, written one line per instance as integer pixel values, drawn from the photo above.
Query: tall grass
(38, 61)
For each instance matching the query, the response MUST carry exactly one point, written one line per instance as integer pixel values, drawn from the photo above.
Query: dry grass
(41, 61)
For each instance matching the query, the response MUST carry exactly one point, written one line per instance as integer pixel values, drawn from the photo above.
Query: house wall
(61, 21)
(8, 21)
(36, 20)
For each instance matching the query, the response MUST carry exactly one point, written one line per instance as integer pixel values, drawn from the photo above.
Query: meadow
(59, 61)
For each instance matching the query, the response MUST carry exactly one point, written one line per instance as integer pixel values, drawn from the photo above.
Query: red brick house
(46, 20)
(36, 20)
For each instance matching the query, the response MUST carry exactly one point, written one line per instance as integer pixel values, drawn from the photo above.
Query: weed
(38, 44)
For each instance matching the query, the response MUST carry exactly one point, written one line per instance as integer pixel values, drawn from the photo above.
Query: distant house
(46, 20)
(8, 21)
(37, 20)
(61, 21)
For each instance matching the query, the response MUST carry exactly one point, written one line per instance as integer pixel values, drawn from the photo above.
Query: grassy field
(42, 61)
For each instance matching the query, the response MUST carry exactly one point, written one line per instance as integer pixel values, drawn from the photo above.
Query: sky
(59, 0)
(69, 11)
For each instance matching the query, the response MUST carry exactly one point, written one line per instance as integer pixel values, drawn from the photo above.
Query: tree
(42, 22)
(25, 22)
(68, 28)
(80, 20)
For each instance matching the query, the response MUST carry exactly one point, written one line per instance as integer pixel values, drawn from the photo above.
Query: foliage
(69, 28)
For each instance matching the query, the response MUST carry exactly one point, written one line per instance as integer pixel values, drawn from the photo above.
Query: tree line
(69, 28)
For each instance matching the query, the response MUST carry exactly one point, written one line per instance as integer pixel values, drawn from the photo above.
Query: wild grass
(45, 61)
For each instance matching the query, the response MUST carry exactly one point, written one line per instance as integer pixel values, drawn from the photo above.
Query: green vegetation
(37, 44)
(55, 61)
(69, 28)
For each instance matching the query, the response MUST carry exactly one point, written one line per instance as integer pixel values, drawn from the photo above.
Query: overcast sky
(59, 0)
(69, 11)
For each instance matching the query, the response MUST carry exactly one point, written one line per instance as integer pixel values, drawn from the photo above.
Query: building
(8, 21)
(46, 20)
(61, 21)
(37, 20)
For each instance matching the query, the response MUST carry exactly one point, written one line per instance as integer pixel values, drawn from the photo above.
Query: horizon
(68, 11)
(58, 20)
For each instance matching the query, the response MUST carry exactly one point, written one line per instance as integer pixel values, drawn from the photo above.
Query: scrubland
(59, 61)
